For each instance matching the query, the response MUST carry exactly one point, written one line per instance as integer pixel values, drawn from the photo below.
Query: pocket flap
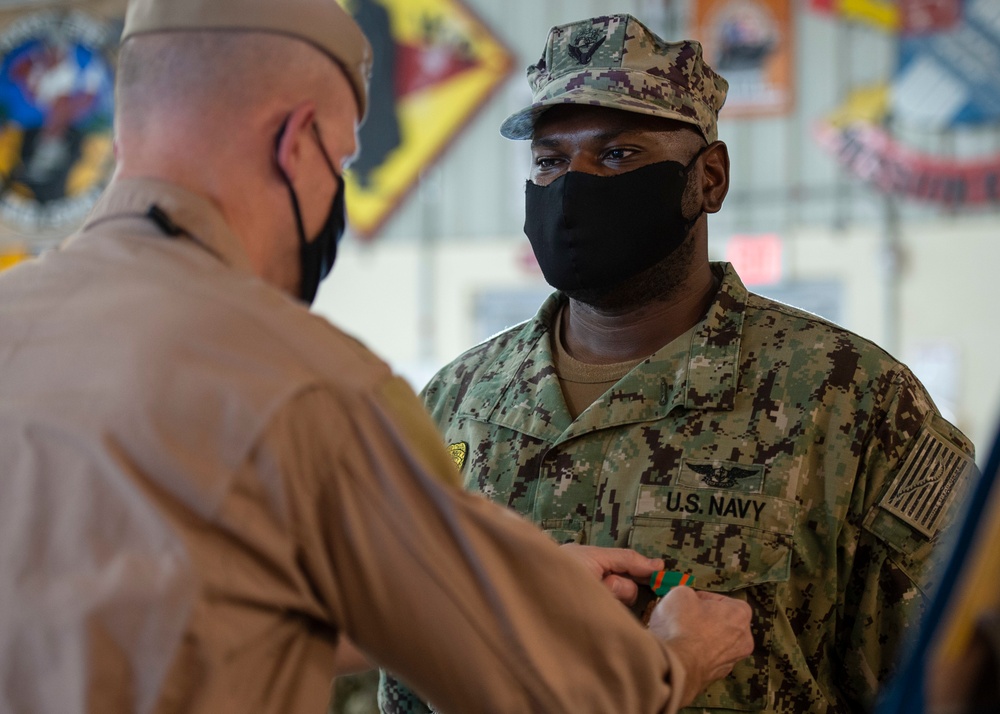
(726, 540)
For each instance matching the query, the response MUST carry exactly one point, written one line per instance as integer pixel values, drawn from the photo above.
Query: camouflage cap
(615, 61)
(323, 23)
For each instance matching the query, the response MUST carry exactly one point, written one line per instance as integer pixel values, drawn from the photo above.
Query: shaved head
(217, 76)
(234, 116)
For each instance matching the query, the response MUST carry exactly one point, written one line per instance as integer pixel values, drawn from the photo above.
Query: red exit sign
(757, 258)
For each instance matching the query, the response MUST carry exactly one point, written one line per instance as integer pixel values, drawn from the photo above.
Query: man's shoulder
(463, 373)
(482, 355)
(511, 341)
(258, 336)
(251, 318)
(780, 327)
(829, 358)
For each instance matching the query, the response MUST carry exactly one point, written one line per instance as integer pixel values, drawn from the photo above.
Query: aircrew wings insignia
(721, 476)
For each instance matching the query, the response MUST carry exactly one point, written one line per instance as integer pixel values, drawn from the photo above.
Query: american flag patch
(922, 487)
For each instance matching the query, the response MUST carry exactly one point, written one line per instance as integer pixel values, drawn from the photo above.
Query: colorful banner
(57, 63)
(436, 64)
(921, 16)
(952, 76)
(872, 155)
(949, 75)
(906, 16)
(749, 42)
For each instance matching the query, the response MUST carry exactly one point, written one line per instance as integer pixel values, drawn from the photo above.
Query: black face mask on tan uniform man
(316, 256)
(593, 232)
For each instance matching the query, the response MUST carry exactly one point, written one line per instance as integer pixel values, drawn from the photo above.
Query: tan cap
(615, 61)
(322, 23)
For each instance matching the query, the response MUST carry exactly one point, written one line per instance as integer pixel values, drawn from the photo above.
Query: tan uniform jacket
(202, 484)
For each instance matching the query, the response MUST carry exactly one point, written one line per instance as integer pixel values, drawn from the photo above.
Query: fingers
(625, 561)
(620, 561)
(723, 621)
(624, 590)
(709, 632)
(684, 596)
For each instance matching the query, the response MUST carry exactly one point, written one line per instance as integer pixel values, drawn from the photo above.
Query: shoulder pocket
(934, 472)
(926, 495)
(735, 543)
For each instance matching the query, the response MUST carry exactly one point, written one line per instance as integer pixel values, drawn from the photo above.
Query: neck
(602, 336)
(252, 209)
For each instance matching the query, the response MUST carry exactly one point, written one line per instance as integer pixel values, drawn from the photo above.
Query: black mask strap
(322, 150)
(316, 257)
(288, 183)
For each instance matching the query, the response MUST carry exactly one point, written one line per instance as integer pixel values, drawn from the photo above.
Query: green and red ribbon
(663, 580)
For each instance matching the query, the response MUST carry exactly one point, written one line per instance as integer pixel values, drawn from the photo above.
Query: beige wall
(950, 295)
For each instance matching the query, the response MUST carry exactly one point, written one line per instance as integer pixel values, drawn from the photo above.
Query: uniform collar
(200, 219)
(520, 389)
(706, 368)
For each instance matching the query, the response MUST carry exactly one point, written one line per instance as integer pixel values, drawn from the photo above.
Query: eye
(619, 153)
(546, 162)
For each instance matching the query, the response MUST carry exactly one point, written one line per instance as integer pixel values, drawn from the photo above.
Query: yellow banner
(880, 13)
(867, 105)
(11, 256)
(436, 63)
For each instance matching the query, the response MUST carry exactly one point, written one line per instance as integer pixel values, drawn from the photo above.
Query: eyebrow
(608, 135)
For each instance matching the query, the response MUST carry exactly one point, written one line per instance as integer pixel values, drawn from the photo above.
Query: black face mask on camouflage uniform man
(592, 232)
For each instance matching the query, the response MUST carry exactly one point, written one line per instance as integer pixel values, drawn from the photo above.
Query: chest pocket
(734, 543)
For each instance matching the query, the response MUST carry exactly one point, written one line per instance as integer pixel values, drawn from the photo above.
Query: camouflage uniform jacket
(776, 456)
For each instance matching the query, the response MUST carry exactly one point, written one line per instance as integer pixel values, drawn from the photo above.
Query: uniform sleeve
(916, 470)
(433, 583)
(394, 697)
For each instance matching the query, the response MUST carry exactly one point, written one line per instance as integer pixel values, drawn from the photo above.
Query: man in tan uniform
(205, 487)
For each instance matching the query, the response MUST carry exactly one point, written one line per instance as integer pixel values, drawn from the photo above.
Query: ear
(715, 176)
(289, 141)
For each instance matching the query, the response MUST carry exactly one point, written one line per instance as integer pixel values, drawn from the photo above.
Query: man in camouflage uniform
(654, 403)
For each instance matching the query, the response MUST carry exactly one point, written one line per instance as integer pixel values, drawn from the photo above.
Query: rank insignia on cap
(615, 61)
(924, 484)
(662, 581)
(585, 44)
(458, 452)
